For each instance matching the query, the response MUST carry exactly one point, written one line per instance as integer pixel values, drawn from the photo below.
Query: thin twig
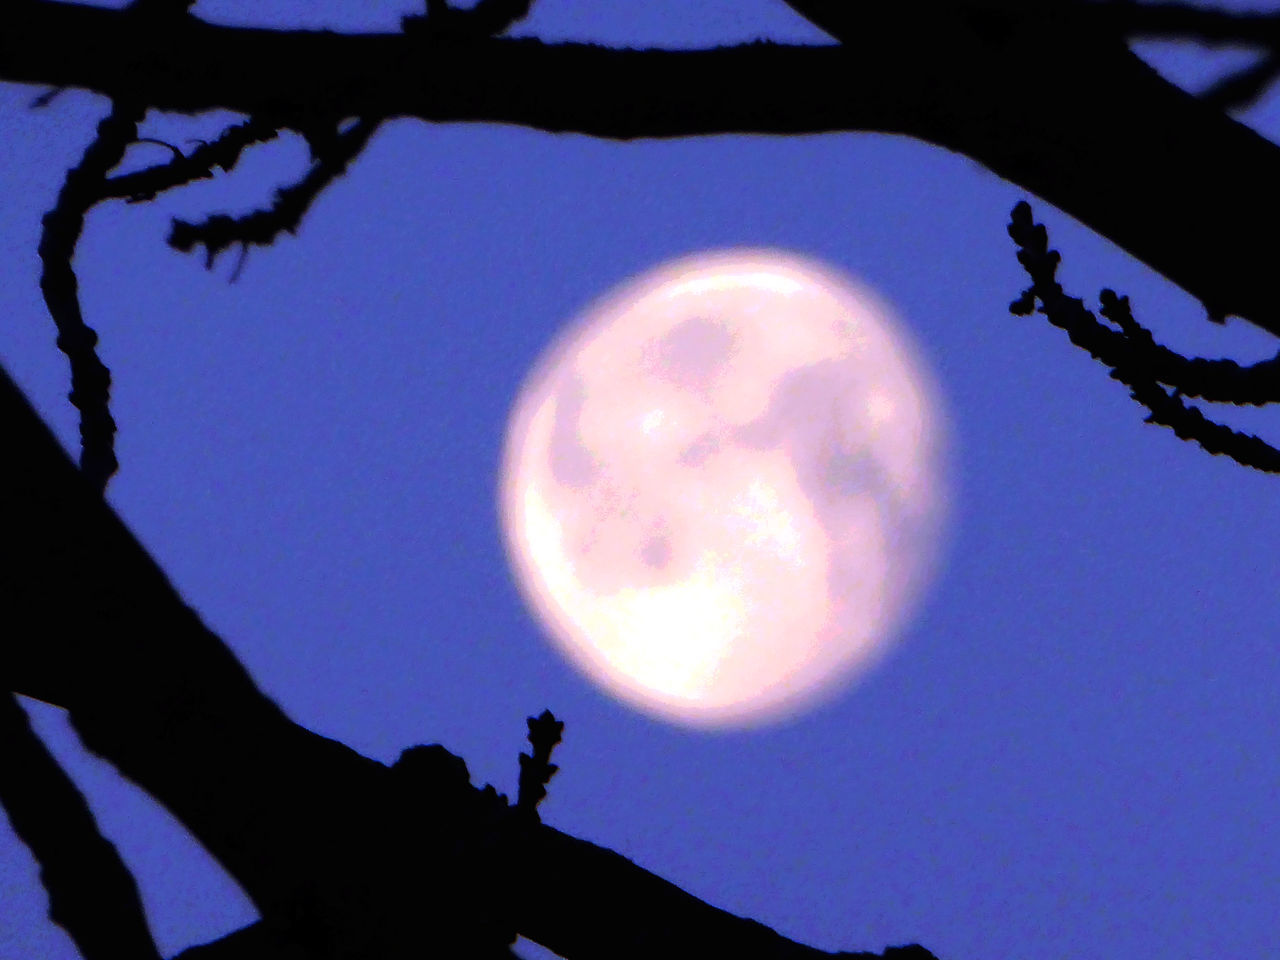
(1133, 347)
(261, 227)
(223, 152)
(536, 769)
(92, 894)
(1219, 381)
(1136, 360)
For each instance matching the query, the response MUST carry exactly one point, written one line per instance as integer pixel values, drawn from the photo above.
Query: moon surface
(722, 487)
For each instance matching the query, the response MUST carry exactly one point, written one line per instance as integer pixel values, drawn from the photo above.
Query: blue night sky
(1071, 753)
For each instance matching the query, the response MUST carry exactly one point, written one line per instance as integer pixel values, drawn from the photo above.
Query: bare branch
(257, 941)
(62, 226)
(333, 149)
(1137, 361)
(291, 203)
(224, 153)
(536, 769)
(1014, 99)
(487, 18)
(1244, 88)
(149, 688)
(499, 16)
(1184, 21)
(588, 903)
(90, 378)
(1134, 348)
(1187, 422)
(92, 894)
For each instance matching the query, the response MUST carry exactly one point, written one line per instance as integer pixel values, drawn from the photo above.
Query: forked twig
(291, 203)
(1140, 363)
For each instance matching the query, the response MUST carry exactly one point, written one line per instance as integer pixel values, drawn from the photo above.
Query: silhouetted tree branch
(261, 227)
(92, 895)
(536, 768)
(1005, 88)
(424, 859)
(90, 379)
(1244, 87)
(1136, 360)
(1140, 363)
(82, 189)
(223, 153)
(419, 860)
(1182, 21)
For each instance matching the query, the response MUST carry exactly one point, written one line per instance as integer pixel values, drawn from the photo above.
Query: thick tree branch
(149, 688)
(588, 903)
(1063, 111)
(92, 895)
(82, 188)
(1186, 21)
(62, 226)
(255, 942)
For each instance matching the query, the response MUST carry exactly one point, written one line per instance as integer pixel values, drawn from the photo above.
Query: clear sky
(1071, 753)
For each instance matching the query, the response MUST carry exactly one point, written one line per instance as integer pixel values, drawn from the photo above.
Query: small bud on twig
(537, 770)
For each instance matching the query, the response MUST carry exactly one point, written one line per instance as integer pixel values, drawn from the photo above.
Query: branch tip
(536, 768)
(1142, 364)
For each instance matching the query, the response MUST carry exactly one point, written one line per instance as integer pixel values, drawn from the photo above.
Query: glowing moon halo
(722, 487)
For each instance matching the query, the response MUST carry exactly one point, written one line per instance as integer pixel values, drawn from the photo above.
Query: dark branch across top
(1070, 115)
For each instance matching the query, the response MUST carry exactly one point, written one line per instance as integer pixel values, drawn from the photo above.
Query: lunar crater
(693, 353)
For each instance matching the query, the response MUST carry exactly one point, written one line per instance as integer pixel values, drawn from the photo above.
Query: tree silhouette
(420, 859)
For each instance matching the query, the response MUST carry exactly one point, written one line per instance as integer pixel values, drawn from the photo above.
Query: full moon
(722, 487)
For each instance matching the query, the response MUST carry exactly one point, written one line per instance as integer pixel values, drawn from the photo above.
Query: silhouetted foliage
(424, 860)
